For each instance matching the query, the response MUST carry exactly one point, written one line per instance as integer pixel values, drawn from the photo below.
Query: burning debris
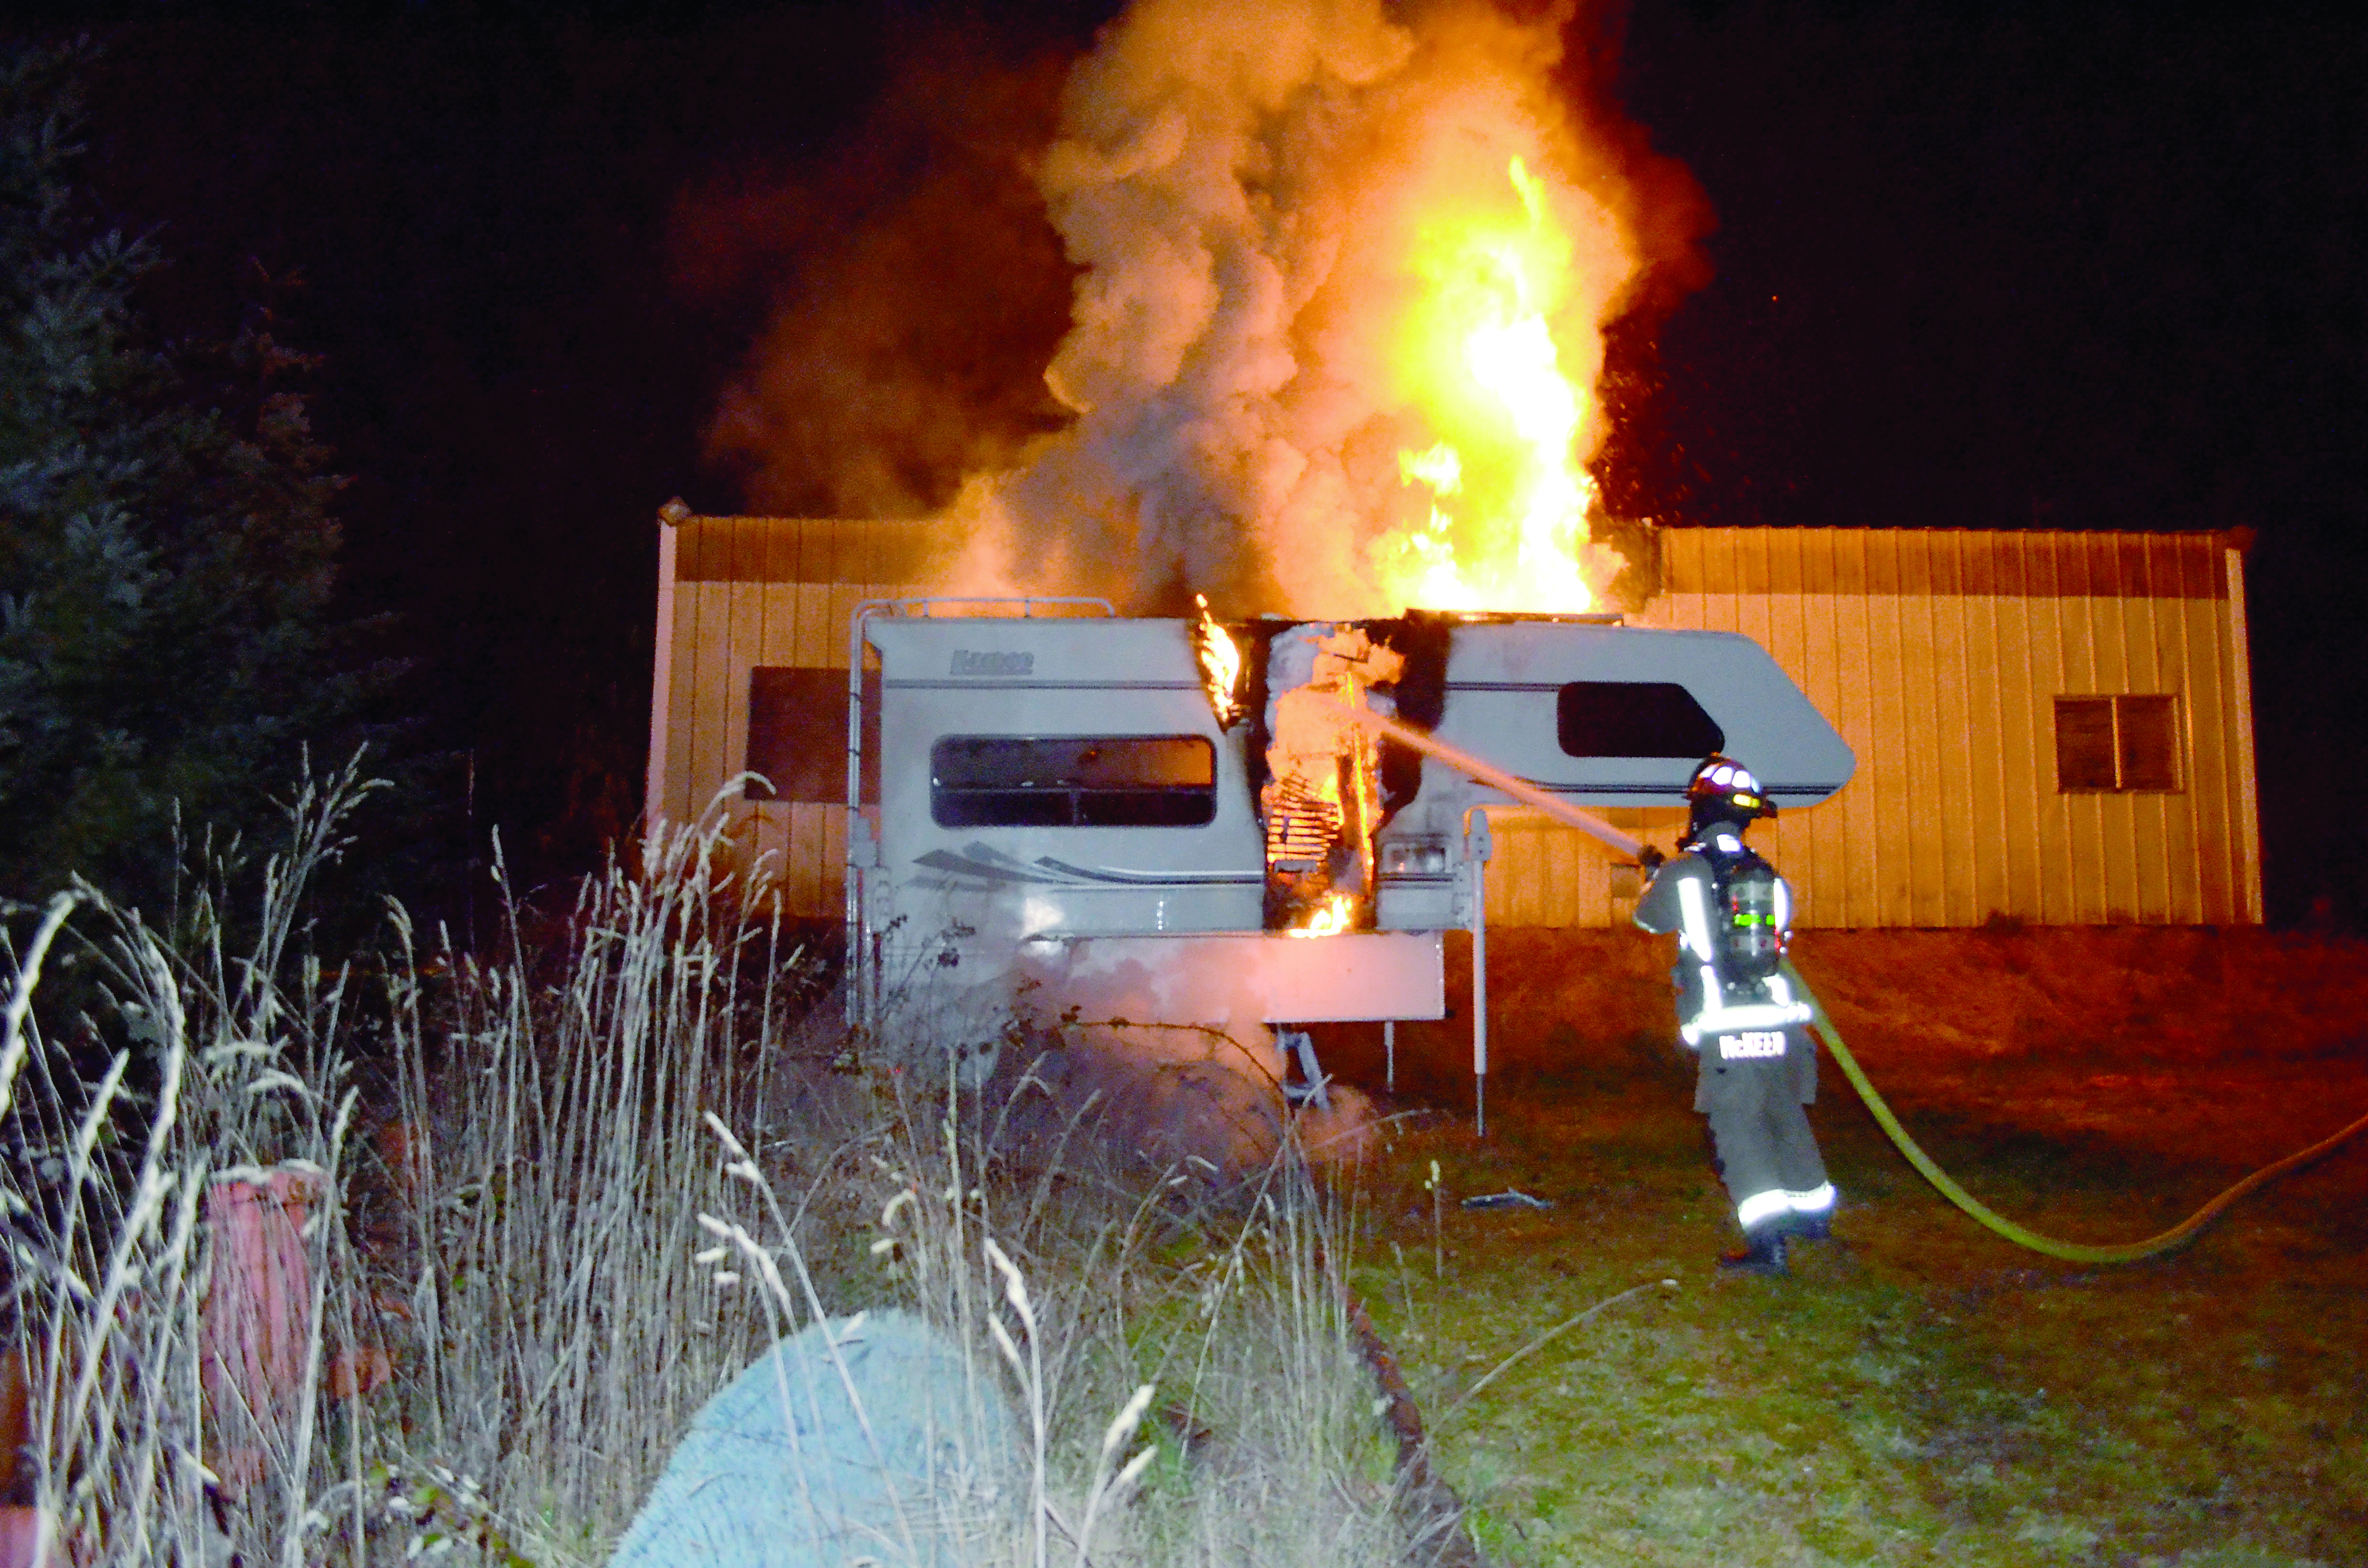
(1328, 786)
(1330, 919)
(1322, 798)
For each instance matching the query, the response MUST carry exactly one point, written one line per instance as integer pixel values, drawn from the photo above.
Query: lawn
(526, 1257)
(1920, 1391)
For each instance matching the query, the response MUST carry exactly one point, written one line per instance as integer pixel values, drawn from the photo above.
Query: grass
(1921, 1392)
(566, 1193)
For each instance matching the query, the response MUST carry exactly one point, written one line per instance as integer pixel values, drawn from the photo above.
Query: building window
(1072, 781)
(1634, 718)
(2116, 744)
(797, 737)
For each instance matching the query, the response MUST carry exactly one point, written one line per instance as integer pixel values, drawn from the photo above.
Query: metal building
(751, 675)
(2053, 727)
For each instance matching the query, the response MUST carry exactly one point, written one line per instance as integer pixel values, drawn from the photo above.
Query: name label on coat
(1751, 1045)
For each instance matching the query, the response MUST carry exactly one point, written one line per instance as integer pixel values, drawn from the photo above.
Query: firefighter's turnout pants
(1753, 1086)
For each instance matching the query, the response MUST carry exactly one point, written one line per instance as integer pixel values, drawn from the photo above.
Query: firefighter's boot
(1812, 1219)
(1763, 1253)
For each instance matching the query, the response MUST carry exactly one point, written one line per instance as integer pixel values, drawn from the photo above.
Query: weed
(541, 1205)
(566, 1192)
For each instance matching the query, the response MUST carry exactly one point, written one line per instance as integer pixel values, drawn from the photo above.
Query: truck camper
(1172, 820)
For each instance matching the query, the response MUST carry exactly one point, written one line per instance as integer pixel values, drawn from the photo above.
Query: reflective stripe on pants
(1762, 1134)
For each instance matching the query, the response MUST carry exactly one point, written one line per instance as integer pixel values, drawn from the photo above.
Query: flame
(1330, 919)
(1221, 665)
(1507, 498)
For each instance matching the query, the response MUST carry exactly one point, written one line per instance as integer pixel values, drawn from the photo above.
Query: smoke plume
(903, 293)
(1242, 190)
(1244, 185)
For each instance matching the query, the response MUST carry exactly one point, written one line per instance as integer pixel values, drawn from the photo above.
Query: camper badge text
(989, 661)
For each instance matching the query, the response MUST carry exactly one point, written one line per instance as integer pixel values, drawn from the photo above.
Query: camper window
(1072, 781)
(1634, 718)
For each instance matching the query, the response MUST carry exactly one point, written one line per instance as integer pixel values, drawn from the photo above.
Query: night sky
(1994, 266)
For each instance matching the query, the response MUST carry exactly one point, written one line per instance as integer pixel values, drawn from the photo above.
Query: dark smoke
(904, 294)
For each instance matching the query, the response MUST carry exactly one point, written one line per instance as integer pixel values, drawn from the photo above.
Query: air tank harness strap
(2070, 1252)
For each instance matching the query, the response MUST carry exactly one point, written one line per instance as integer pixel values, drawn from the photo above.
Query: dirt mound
(2149, 993)
(1590, 1004)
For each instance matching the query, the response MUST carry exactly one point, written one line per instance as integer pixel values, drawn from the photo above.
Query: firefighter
(1759, 1067)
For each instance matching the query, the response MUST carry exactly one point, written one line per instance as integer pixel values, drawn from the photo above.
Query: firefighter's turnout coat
(1759, 1064)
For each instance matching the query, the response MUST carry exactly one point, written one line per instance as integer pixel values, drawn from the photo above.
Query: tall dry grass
(229, 1071)
(518, 1169)
(552, 1164)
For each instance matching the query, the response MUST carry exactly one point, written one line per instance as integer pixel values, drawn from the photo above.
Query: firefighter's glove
(1650, 860)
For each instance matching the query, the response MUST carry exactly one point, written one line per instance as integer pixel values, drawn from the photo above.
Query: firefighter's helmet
(1722, 789)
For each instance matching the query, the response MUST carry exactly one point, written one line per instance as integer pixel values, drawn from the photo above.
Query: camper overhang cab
(1052, 797)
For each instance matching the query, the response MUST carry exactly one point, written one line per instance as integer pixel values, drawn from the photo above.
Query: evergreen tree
(167, 545)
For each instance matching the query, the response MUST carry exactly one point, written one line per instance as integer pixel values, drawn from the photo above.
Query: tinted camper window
(1072, 781)
(1634, 718)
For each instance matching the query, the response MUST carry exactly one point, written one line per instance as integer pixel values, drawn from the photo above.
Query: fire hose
(2069, 1252)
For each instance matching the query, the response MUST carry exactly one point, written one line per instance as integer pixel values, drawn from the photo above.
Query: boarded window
(1072, 781)
(2146, 735)
(2116, 743)
(1634, 718)
(797, 735)
(2084, 744)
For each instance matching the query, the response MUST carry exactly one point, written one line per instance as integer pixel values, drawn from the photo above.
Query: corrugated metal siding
(773, 591)
(1938, 654)
(1545, 874)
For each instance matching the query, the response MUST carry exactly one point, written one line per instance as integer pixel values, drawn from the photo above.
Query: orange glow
(1506, 496)
(1330, 918)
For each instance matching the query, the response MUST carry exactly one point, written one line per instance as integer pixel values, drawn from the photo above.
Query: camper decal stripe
(981, 861)
(1150, 879)
(992, 865)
